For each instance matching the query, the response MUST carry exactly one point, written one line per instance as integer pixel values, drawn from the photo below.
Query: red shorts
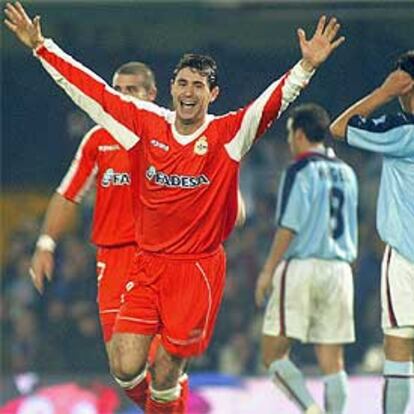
(176, 297)
(112, 268)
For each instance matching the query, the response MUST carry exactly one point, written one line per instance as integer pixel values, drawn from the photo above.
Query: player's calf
(284, 374)
(169, 387)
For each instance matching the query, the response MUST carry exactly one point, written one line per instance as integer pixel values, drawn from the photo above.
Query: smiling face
(191, 95)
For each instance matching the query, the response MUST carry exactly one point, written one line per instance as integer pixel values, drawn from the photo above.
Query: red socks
(139, 393)
(172, 407)
(178, 406)
(140, 396)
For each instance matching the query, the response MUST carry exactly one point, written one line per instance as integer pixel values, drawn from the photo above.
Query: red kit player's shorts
(112, 267)
(177, 297)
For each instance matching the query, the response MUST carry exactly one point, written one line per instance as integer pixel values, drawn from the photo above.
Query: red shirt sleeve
(250, 122)
(124, 117)
(82, 171)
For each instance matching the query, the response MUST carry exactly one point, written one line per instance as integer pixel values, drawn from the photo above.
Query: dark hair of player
(203, 64)
(406, 62)
(139, 68)
(312, 119)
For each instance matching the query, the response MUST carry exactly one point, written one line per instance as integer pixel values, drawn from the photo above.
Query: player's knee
(330, 358)
(132, 381)
(269, 357)
(398, 348)
(126, 372)
(271, 354)
(124, 367)
(273, 349)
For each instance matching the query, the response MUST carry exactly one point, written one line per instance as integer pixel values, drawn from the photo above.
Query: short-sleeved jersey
(101, 160)
(184, 186)
(318, 198)
(393, 137)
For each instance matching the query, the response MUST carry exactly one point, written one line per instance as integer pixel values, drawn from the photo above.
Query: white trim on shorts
(397, 292)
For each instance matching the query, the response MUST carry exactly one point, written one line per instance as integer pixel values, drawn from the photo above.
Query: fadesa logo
(175, 180)
(111, 177)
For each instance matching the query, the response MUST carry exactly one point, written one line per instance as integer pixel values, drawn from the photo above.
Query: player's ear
(152, 94)
(214, 94)
(300, 134)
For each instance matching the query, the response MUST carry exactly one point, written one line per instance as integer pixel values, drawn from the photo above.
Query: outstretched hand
(28, 31)
(317, 49)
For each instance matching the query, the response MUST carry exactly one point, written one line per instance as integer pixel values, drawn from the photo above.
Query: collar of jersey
(319, 149)
(186, 139)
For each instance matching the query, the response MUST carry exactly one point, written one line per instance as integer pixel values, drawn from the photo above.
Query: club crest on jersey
(175, 180)
(111, 177)
(201, 146)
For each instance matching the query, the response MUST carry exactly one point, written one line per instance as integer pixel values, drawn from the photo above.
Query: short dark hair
(406, 62)
(203, 64)
(312, 119)
(139, 68)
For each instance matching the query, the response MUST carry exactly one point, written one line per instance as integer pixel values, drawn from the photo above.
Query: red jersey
(102, 160)
(185, 185)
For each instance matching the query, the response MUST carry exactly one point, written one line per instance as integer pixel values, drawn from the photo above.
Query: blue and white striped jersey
(318, 198)
(393, 137)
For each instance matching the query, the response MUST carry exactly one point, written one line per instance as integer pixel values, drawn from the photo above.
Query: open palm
(28, 31)
(316, 50)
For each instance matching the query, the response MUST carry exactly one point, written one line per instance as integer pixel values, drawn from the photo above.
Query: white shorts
(397, 291)
(312, 301)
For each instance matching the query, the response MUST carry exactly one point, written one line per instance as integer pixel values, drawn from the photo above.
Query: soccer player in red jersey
(186, 163)
(102, 161)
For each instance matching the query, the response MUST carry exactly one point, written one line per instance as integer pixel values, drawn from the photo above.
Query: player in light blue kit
(309, 263)
(393, 137)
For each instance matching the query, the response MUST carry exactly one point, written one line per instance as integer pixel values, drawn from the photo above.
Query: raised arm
(60, 215)
(396, 84)
(252, 121)
(120, 115)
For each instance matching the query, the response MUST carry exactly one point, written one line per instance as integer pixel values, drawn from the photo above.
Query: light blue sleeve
(294, 201)
(391, 135)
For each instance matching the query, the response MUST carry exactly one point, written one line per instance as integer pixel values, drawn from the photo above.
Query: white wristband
(45, 242)
(300, 75)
